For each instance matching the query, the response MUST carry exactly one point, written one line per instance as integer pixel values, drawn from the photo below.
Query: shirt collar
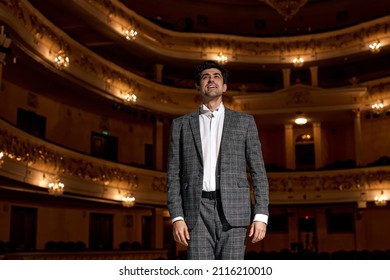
(204, 110)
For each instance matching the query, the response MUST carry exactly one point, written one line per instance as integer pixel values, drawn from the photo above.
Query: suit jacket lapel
(194, 123)
(227, 128)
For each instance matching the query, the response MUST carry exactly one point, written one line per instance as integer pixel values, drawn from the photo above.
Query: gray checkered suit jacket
(240, 146)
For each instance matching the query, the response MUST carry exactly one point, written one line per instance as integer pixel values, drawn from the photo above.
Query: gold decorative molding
(359, 184)
(299, 96)
(163, 98)
(51, 161)
(159, 184)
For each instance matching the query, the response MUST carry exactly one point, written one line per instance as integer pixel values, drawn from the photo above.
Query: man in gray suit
(209, 198)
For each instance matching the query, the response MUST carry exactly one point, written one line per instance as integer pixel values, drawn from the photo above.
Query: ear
(224, 88)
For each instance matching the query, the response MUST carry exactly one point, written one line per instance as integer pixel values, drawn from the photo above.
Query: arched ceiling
(258, 17)
(247, 18)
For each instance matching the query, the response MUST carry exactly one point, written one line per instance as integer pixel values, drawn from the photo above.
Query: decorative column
(293, 226)
(361, 239)
(158, 144)
(1, 88)
(289, 146)
(157, 70)
(314, 75)
(317, 145)
(358, 137)
(286, 77)
(158, 228)
(2, 37)
(1, 77)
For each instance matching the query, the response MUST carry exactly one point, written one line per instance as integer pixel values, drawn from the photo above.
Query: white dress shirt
(211, 127)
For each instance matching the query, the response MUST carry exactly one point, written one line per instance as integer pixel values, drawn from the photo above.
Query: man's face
(211, 84)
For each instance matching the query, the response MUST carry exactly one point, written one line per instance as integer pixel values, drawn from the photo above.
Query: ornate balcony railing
(31, 160)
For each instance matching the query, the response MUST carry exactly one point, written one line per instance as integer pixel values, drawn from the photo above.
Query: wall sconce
(298, 61)
(1, 159)
(222, 59)
(128, 200)
(130, 97)
(61, 60)
(130, 34)
(56, 188)
(377, 107)
(380, 200)
(300, 119)
(305, 137)
(375, 46)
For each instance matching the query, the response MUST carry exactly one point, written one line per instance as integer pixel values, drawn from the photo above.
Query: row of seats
(60, 246)
(308, 255)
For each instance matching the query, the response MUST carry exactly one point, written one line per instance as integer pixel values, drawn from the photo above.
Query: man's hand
(257, 231)
(180, 232)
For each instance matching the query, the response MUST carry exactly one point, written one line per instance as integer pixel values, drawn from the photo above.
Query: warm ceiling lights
(375, 46)
(300, 119)
(222, 59)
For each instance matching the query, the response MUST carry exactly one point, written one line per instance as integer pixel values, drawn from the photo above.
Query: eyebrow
(209, 74)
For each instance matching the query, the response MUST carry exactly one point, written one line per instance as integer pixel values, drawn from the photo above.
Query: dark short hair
(210, 64)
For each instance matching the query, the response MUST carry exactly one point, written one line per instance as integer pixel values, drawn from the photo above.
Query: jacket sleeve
(257, 170)
(173, 172)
